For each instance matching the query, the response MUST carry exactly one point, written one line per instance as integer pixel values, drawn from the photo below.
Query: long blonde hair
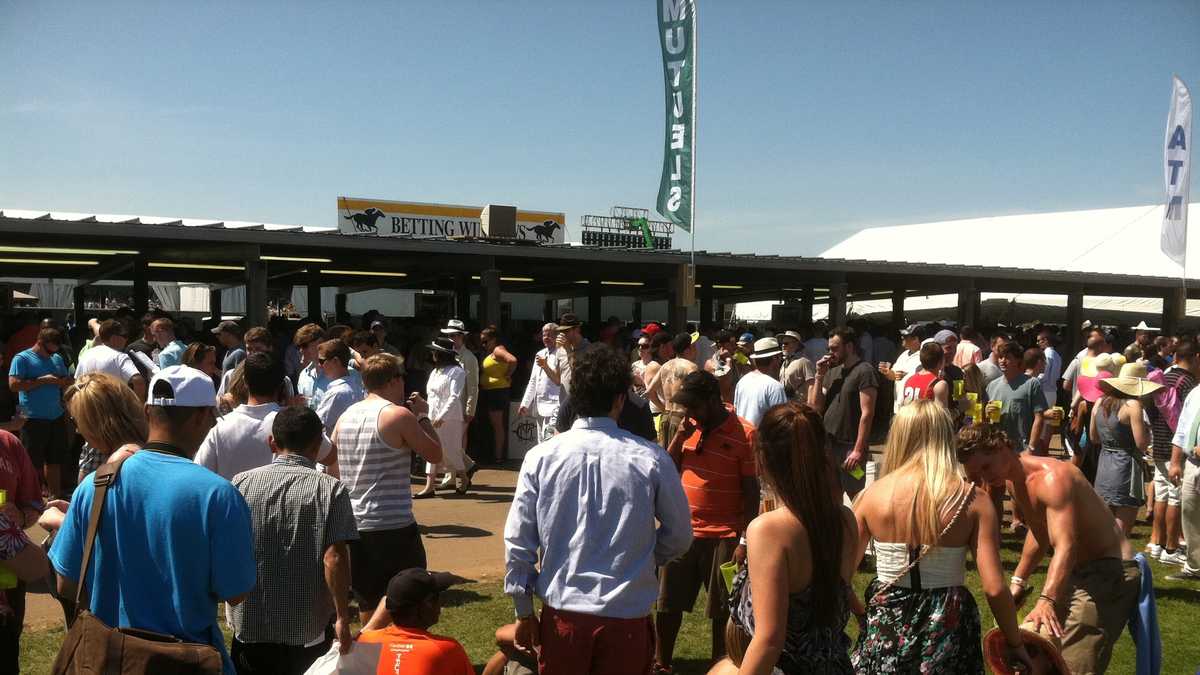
(920, 450)
(107, 411)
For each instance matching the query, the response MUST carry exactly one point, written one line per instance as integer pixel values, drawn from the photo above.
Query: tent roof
(1120, 240)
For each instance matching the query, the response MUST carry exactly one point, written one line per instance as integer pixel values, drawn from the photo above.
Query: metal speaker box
(499, 221)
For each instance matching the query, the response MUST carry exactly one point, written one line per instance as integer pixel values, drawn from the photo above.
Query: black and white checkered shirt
(297, 513)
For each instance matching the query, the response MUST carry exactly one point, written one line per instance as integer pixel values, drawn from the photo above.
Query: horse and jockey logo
(365, 222)
(544, 232)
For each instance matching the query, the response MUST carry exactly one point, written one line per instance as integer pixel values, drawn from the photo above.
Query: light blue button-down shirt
(588, 500)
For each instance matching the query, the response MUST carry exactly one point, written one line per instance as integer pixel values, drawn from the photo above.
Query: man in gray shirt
(1021, 398)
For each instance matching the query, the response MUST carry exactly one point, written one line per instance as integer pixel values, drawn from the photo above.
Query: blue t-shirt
(44, 402)
(174, 539)
(172, 354)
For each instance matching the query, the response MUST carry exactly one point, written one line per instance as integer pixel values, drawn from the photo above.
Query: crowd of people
(271, 469)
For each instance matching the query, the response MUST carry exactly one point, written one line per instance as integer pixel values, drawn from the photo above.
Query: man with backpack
(1178, 381)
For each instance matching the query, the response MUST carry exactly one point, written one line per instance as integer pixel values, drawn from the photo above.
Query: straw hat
(1142, 326)
(765, 348)
(1046, 657)
(1131, 382)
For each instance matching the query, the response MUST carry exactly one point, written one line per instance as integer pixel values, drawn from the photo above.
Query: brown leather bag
(92, 647)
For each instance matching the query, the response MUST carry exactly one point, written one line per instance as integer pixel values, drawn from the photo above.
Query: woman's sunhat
(444, 345)
(1131, 382)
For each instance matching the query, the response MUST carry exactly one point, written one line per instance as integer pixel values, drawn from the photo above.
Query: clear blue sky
(815, 119)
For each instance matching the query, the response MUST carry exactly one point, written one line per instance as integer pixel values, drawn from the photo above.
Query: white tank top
(942, 566)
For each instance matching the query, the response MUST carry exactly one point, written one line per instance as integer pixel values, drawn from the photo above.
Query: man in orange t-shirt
(714, 452)
(412, 606)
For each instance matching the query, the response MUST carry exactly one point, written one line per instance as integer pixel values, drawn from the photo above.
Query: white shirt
(1187, 417)
(705, 348)
(470, 366)
(1049, 376)
(541, 394)
(445, 388)
(238, 442)
(105, 359)
(907, 363)
(755, 394)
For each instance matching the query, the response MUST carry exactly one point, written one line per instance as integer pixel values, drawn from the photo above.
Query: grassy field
(472, 614)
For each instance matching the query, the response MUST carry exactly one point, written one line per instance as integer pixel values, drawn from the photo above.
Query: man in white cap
(796, 372)
(907, 363)
(457, 331)
(186, 539)
(1144, 335)
(759, 390)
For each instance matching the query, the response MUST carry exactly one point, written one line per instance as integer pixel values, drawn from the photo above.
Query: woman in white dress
(444, 390)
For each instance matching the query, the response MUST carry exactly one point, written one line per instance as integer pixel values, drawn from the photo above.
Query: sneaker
(1178, 558)
(1184, 575)
(1154, 550)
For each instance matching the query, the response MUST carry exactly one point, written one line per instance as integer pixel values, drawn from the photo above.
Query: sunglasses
(643, 346)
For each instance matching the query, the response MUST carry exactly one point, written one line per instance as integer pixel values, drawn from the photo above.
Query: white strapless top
(942, 566)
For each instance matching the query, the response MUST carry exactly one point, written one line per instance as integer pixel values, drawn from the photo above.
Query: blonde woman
(111, 419)
(924, 517)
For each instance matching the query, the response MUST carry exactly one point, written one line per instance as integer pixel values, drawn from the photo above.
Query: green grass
(472, 613)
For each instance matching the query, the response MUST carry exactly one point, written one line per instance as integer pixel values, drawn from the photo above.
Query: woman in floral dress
(924, 517)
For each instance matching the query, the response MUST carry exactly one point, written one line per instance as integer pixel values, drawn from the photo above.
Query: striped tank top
(376, 474)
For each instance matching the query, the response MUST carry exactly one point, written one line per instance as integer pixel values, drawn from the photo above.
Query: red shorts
(584, 644)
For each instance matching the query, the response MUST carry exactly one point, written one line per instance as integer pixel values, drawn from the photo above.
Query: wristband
(1017, 581)
(1048, 599)
(742, 541)
(423, 416)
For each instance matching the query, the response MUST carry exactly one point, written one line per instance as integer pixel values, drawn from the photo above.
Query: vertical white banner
(1177, 162)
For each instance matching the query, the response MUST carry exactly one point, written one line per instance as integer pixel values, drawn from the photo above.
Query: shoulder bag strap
(105, 476)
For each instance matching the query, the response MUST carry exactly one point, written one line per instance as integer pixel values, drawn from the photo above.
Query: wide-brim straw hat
(765, 348)
(1046, 657)
(1131, 382)
(444, 345)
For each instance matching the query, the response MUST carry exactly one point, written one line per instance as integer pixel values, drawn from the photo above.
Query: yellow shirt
(493, 374)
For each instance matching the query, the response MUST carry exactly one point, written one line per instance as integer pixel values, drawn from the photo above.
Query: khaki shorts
(679, 581)
(1164, 489)
(1103, 595)
(668, 423)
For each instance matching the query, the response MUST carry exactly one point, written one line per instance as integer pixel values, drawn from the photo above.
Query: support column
(214, 304)
(681, 294)
(256, 293)
(339, 307)
(806, 307)
(6, 298)
(548, 312)
(837, 303)
(637, 313)
(313, 288)
(1072, 339)
(720, 320)
(462, 296)
(706, 306)
(489, 297)
(898, 297)
(968, 305)
(594, 298)
(1174, 310)
(141, 286)
(80, 319)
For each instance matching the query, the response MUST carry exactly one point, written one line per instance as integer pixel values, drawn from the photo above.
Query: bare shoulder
(777, 525)
(1058, 483)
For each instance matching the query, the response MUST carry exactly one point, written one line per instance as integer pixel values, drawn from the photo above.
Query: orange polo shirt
(411, 651)
(713, 466)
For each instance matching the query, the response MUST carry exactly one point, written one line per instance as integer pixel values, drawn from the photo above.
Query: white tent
(1120, 240)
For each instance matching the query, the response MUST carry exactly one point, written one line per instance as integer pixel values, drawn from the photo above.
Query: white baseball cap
(189, 387)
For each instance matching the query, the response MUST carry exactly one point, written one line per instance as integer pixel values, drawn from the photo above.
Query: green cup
(728, 570)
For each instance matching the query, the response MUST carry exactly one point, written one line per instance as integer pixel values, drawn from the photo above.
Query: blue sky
(815, 119)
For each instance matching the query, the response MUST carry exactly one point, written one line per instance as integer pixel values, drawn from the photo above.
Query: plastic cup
(958, 389)
(728, 570)
(994, 408)
(857, 472)
(1057, 417)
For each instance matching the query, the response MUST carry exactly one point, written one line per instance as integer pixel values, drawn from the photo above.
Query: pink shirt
(967, 354)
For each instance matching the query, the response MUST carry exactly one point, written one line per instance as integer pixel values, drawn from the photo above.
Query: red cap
(651, 329)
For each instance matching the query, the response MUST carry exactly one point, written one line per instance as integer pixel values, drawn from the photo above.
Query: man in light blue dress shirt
(587, 501)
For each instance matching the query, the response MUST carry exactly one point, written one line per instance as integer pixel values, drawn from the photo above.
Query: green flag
(677, 35)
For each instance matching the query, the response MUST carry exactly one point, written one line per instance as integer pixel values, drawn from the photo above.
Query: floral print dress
(935, 630)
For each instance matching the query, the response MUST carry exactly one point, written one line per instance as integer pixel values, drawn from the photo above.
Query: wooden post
(837, 303)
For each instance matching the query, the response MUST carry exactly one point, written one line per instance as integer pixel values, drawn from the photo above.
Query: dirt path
(464, 535)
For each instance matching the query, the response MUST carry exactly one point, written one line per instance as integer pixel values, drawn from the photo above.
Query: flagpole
(695, 92)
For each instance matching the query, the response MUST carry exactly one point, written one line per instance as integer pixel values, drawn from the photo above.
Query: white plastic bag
(363, 659)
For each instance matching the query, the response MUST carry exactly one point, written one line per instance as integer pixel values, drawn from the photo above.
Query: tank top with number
(919, 386)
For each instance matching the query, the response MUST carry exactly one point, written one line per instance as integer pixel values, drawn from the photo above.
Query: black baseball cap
(412, 586)
(698, 387)
(567, 321)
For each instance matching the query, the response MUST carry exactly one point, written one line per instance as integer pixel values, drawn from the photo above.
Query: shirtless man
(665, 382)
(1092, 582)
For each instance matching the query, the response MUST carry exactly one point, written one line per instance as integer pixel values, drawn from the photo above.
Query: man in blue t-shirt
(171, 347)
(186, 540)
(39, 374)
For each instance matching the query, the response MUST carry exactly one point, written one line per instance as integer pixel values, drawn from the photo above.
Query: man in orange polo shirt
(406, 647)
(713, 449)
